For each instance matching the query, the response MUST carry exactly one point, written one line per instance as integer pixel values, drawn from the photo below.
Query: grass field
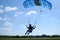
(29, 38)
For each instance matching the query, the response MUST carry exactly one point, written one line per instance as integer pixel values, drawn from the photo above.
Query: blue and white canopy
(33, 3)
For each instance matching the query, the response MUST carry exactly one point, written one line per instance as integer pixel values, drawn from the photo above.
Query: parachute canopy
(33, 3)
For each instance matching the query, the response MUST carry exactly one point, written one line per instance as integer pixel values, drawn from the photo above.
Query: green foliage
(29, 38)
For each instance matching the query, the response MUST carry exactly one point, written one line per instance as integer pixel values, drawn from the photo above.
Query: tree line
(31, 36)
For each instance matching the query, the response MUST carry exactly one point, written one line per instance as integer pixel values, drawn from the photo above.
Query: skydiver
(30, 29)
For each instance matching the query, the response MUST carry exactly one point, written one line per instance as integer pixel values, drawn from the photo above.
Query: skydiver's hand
(35, 26)
(26, 25)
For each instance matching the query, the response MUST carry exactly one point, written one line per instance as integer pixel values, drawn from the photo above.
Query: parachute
(33, 3)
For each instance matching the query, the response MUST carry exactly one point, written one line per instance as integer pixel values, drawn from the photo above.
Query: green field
(29, 38)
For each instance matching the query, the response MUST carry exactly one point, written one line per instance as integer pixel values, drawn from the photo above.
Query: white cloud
(7, 9)
(10, 8)
(1, 6)
(0, 18)
(15, 15)
(18, 13)
(5, 29)
(31, 12)
(8, 24)
(1, 11)
(4, 19)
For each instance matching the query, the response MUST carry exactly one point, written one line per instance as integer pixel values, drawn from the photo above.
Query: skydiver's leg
(27, 32)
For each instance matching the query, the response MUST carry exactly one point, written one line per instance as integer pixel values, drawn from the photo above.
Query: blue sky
(14, 17)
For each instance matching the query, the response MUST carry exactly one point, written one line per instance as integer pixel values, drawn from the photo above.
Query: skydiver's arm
(26, 26)
(34, 26)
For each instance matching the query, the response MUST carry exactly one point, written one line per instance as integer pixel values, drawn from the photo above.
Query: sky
(14, 18)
